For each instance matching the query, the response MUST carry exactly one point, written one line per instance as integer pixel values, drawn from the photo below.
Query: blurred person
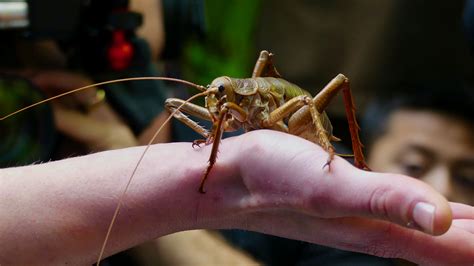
(427, 133)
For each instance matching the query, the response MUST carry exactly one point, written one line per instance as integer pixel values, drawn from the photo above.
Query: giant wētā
(267, 101)
(263, 101)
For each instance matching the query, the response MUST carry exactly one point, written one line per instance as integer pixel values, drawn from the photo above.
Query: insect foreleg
(192, 109)
(217, 136)
(236, 112)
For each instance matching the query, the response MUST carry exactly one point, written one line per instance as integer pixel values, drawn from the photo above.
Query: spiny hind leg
(341, 83)
(217, 135)
(264, 66)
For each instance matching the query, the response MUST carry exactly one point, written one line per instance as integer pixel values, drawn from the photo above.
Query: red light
(120, 52)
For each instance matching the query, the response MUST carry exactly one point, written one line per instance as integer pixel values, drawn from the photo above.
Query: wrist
(221, 205)
(166, 191)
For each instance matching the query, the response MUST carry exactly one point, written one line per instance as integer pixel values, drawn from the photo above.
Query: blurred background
(408, 54)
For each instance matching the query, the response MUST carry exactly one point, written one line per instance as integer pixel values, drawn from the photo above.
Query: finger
(464, 224)
(462, 211)
(379, 238)
(376, 237)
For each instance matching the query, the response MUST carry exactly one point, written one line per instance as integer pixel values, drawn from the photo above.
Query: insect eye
(221, 88)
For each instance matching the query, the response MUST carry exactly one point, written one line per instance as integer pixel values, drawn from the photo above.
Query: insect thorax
(260, 96)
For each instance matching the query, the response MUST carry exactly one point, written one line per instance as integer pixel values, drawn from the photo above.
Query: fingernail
(423, 216)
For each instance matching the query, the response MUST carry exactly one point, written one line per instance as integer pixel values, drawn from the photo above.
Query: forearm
(59, 211)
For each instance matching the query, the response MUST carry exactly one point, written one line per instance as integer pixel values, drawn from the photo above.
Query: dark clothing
(275, 251)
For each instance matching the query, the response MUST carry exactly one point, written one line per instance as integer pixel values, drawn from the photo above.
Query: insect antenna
(344, 155)
(199, 87)
(122, 196)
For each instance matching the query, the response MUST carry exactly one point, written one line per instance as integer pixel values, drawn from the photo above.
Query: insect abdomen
(288, 89)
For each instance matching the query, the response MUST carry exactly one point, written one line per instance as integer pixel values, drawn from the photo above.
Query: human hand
(274, 183)
(100, 128)
(263, 181)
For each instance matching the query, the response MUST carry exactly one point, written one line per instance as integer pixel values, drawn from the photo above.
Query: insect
(267, 101)
(263, 101)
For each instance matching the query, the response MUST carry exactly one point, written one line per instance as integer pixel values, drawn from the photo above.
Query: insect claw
(331, 152)
(328, 164)
(198, 143)
(201, 189)
(363, 166)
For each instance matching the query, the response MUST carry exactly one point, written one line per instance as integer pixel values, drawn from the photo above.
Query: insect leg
(301, 104)
(321, 132)
(285, 110)
(340, 82)
(172, 104)
(264, 66)
(217, 136)
(236, 112)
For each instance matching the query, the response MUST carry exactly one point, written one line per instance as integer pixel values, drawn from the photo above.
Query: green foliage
(229, 47)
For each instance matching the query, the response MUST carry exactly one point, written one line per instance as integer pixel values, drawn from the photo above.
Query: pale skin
(264, 181)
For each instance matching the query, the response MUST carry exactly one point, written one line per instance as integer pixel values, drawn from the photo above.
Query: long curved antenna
(119, 204)
(199, 87)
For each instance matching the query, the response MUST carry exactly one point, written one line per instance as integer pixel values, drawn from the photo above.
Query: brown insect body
(260, 96)
(267, 101)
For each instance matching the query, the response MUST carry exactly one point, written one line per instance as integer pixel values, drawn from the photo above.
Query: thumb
(397, 198)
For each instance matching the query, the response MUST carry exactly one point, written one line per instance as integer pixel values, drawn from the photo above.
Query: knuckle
(378, 202)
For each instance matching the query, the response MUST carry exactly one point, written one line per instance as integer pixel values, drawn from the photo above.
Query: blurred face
(429, 146)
